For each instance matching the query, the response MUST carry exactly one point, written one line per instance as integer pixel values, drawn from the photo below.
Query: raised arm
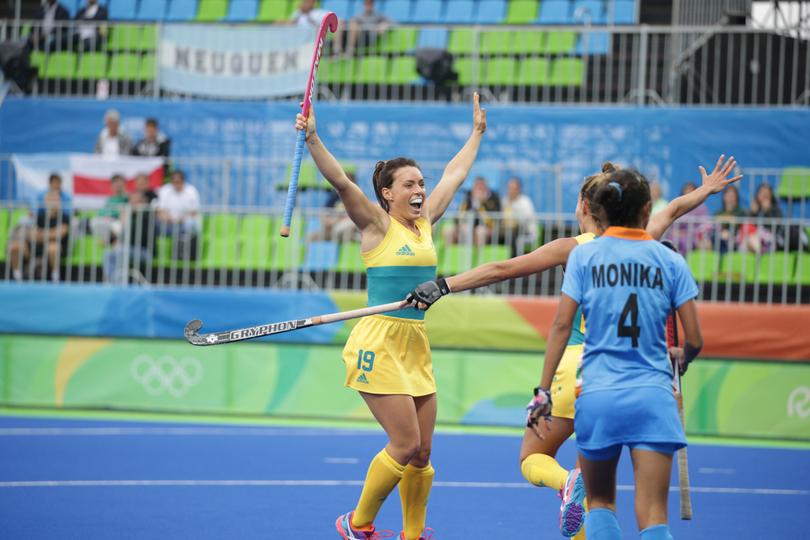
(711, 183)
(361, 210)
(456, 171)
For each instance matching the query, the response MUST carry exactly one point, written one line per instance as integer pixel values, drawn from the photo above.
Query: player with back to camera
(626, 285)
(387, 357)
(537, 454)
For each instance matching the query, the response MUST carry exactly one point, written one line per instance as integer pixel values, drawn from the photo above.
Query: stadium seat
(344, 9)
(528, 42)
(777, 268)
(124, 67)
(624, 12)
(220, 252)
(398, 40)
(704, 264)
(220, 226)
(255, 226)
(148, 40)
(181, 10)
(151, 10)
(337, 70)
(397, 10)
(496, 41)
(372, 69)
(274, 10)
(5, 230)
(285, 254)
(121, 10)
(462, 41)
(124, 37)
(593, 43)
(212, 10)
(60, 65)
(350, 257)
(308, 177)
(803, 268)
(493, 253)
(92, 66)
(468, 69)
(521, 12)
(533, 72)
(146, 72)
(738, 267)
(567, 72)
(459, 12)
(163, 251)
(794, 184)
(86, 251)
(490, 11)
(455, 258)
(403, 70)
(321, 256)
(432, 37)
(560, 42)
(554, 12)
(589, 11)
(242, 10)
(428, 11)
(500, 71)
(38, 60)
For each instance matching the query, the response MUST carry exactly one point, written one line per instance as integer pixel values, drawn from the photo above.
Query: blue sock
(656, 532)
(601, 524)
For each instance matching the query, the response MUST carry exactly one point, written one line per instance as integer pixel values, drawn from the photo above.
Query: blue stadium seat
(344, 9)
(122, 10)
(624, 12)
(181, 10)
(73, 6)
(321, 256)
(459, 11)
(397, 10)
(151, 10)
(427, 11)
(595, 9)
(490, 11)
(433, 37)
(597, 43)
(554, 12)
(242, 10)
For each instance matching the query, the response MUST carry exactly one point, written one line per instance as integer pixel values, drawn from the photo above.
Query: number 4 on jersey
(632, 330)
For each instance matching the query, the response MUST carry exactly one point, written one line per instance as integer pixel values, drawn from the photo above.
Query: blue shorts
(604, 454)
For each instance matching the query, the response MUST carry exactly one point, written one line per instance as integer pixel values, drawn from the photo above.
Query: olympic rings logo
(799, 402)
(166, 374)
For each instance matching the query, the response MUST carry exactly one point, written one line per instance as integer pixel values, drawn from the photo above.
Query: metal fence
(678, 65)
(733, 259)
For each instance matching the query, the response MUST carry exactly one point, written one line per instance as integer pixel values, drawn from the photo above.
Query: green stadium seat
(455, 258)
(5, 230)
(86, 251)
(492, 253)
(148, 68)
(777, 268)
(275, 10)
(462, 41)
(163, 251)
(212, 10)
(337, 70)
(521, 12)
(398, 40)
(38, 60)
(92, 66)
(220, 252)
(60, 65)
(372, 69)
(350, 257)
(124, 67)
(567, 72)
(286, 254)
(803, 268)
(403, 71)
(255, 236)
(497, 42)
(794, 184)
(704, 264)
(500, 71)
(738, 267)
(528, 42)
(124, 37)
(255, 226)
(223, 226)
(148, 41)
(533, 72)
(562, 41)
(308, 177)
(469, 70)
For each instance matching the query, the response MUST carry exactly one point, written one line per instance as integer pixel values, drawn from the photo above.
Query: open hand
(718, 179)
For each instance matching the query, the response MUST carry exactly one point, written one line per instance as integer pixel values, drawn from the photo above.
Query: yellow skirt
(389, 355)
(563, 385)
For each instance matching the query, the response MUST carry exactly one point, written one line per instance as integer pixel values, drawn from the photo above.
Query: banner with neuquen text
(235, 62)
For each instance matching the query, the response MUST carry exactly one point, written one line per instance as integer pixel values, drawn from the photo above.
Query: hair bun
(608, 167)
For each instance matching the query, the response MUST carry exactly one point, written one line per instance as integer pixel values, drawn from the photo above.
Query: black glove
(427, 293)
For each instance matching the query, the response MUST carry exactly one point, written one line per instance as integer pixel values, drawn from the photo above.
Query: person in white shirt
(307, 15)
(112, 141)
(519, 222)
(178, 207)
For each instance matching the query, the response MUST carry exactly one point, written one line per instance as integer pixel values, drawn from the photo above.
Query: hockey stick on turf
(229, 336)
(329, 22)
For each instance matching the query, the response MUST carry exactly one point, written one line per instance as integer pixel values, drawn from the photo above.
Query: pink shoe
(427, 534)
(572, 510)
(347, 532)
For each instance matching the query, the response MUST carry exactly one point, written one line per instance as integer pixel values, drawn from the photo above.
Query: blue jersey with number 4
(626, 285)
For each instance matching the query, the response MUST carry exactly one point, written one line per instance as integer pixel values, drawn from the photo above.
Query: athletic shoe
(572, 512)
(347, 532)
(427, 534)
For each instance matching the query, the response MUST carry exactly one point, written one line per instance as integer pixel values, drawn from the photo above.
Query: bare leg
(561, 429)
(600, 482)
(397, 416)
(426, 416)
(651, 471)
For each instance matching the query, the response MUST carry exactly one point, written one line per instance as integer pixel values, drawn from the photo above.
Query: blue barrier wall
(665, 143)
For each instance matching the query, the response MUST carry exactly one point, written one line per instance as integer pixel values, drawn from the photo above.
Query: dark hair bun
(608, 167)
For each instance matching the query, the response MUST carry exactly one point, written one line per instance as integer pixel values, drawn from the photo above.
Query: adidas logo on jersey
(406, 251)
(362, 378)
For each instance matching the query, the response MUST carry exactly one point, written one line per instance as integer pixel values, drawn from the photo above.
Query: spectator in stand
(48, 236)
(731, 235)
(112, 141)
(771, 236)
(366, 28)
(695, 231)
(155, 143)
(178, 206)
(658, 200)
(48, 35)
(337, 226)
(480, 201)
(107, 223)
(519, 223)
(89, 33)
(141, 223)
(147, 195)
(307, 15)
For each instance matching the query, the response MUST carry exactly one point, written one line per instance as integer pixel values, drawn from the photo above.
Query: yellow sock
(581, 534)
(543, 471)
(383, 474)
(414, 489)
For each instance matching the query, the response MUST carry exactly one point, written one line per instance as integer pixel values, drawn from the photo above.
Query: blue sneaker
(347, 532)
(572, 511)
